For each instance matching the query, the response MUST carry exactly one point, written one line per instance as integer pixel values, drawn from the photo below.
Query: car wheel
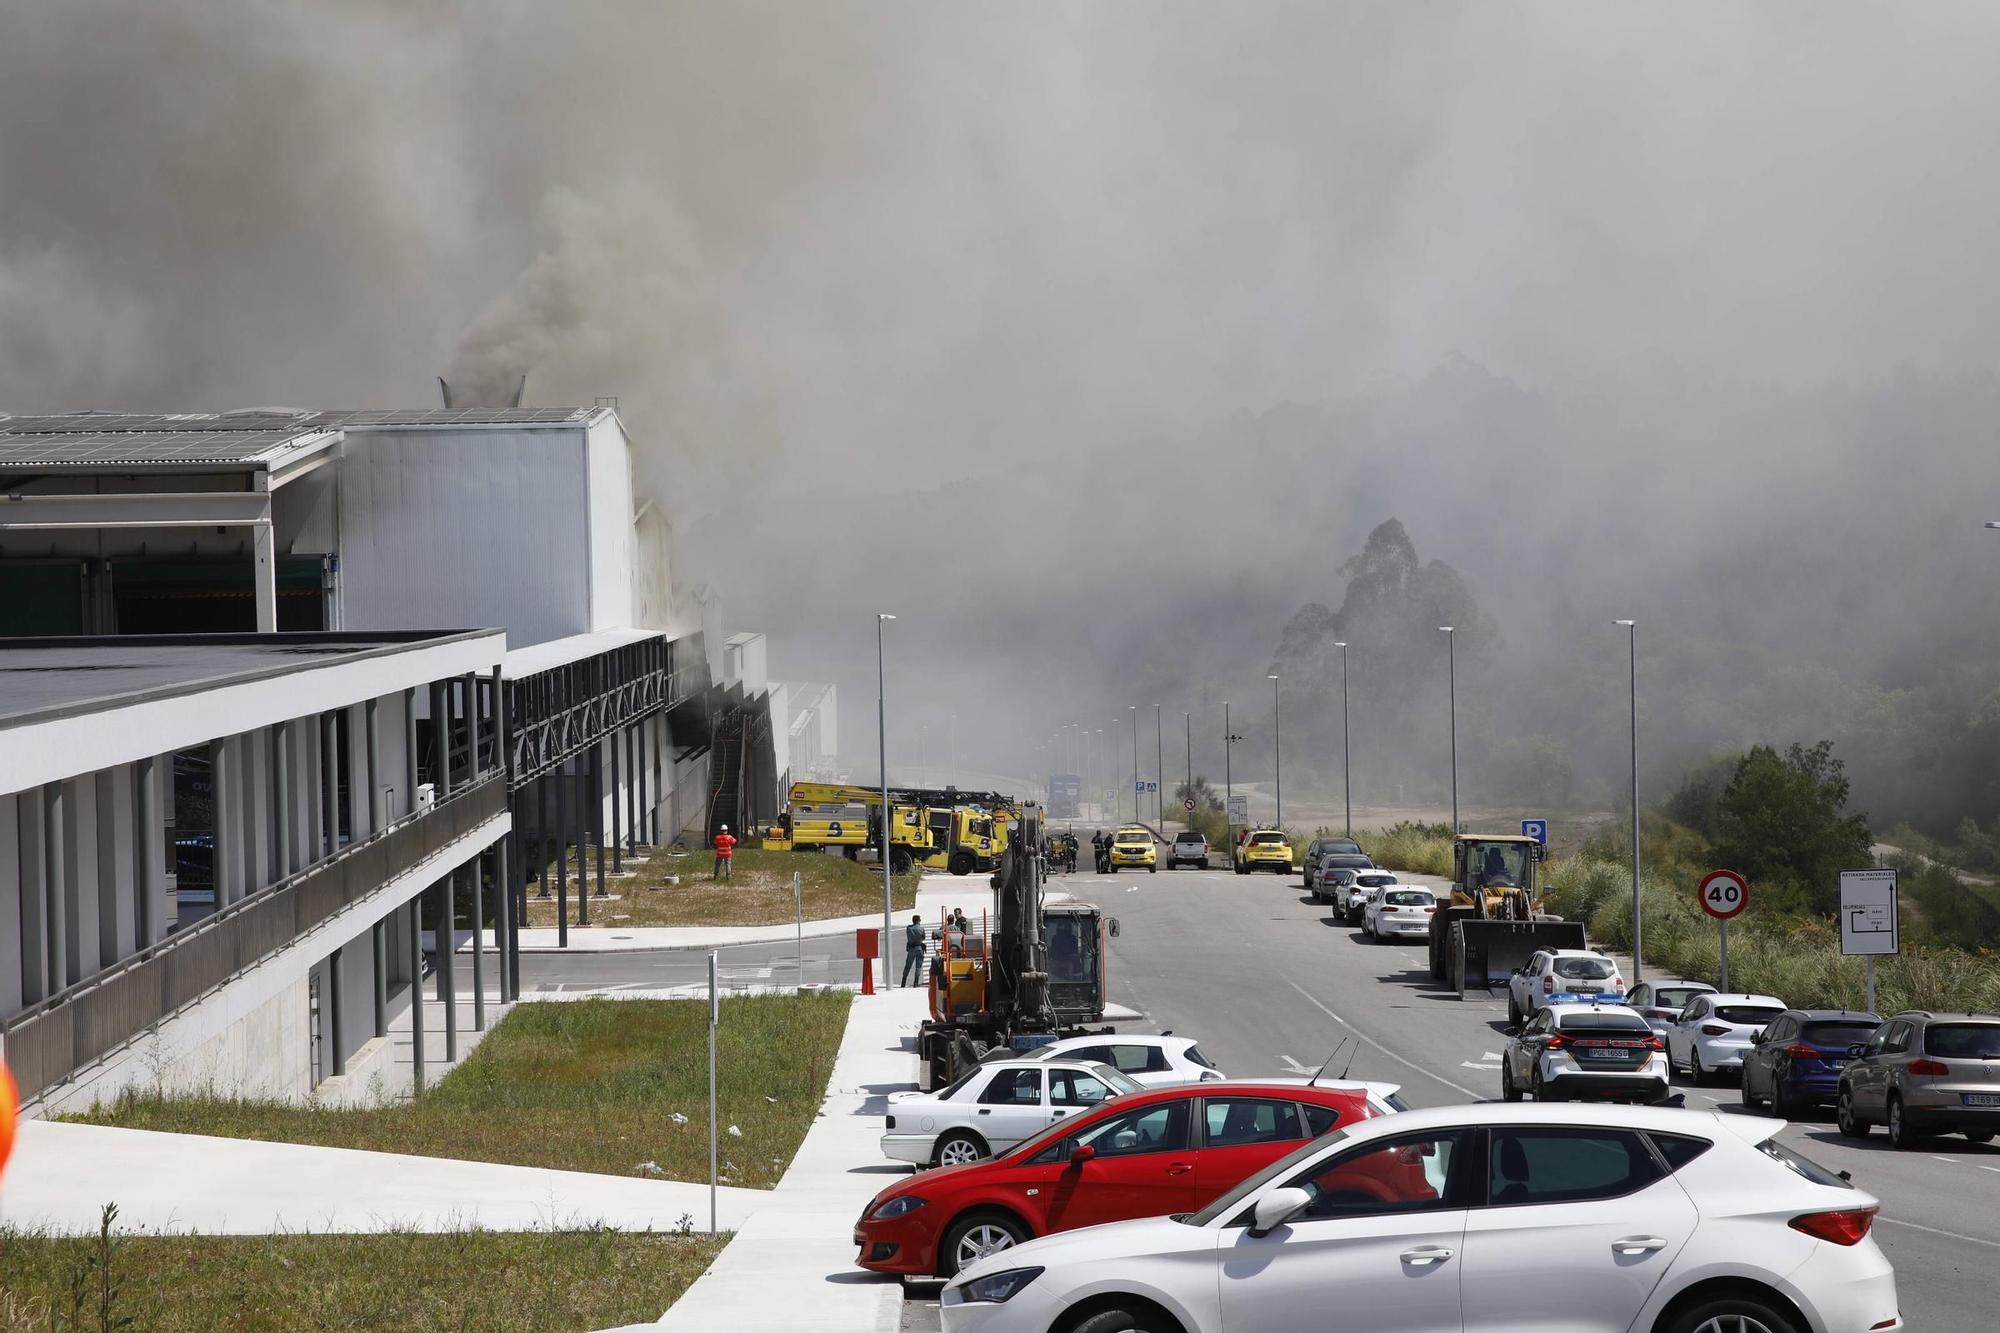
(1850, 1122)
(1696, 1074)
(1749, 1102)
(1513, 1012)
(1508, 1092)
(1901, 1133)
(957, 1148)
(1732, 1314)
(974, 1237)
(1121, 1320)
(1536, 1089)
(1151, 869)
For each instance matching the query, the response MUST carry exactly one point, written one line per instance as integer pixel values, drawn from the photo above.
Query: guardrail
(49, 1041)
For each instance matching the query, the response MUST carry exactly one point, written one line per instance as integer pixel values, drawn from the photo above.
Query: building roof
(46, 679)
(253, 438)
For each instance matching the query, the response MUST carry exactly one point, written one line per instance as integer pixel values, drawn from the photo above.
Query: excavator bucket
(1483, 953)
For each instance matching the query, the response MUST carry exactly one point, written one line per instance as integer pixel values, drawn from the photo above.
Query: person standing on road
(913, 950)
(725, 849)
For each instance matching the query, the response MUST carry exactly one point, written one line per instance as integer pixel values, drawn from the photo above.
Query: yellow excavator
(1493, 922)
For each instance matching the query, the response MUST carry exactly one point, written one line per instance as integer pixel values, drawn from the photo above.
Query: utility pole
(1160, 773)
(882, 740)
(1632, 651)
(1451, 659)
(1277, 755)
(1187, 721)
(1133, 709)
(1346, 766)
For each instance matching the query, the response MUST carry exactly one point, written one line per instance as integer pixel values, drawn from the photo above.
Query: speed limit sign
(1723, 894)
(1188, 804)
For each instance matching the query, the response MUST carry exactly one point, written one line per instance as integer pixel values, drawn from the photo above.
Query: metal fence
(47, 1043)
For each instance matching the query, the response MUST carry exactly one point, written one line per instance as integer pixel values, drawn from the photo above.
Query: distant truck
(1065, 796)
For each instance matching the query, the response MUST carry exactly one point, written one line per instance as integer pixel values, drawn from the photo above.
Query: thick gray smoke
(1092, 339)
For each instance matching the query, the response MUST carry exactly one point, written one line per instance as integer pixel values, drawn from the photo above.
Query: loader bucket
(1485, 952)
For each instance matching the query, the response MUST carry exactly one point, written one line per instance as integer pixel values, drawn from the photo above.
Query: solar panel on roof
(150, 448)
(109, 423)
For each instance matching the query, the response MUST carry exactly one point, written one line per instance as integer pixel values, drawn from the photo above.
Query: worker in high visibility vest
(725, 850)
(10, 1108)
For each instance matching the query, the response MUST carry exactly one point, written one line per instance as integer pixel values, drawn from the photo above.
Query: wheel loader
(1493, 922)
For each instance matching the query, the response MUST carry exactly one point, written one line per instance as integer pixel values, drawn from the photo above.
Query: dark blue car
(1795, 1062)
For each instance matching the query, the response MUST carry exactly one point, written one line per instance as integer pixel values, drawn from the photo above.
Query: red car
(1165, 1150)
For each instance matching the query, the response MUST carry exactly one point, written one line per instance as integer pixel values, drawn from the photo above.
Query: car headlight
(993, 1289)
(897, 1207)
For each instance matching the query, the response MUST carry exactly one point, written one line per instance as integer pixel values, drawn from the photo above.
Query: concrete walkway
(61, 1174)
(790, 1268)
(590, 939)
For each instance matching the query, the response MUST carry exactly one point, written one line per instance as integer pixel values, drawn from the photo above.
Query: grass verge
(585, 1085)
(402, 1281)
(759, 892)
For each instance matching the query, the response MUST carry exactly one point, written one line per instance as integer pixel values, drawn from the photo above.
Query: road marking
(1295, 1067)
(1946, 1160)
(1983, 1167)
(1467, 1064)
(1940, 1231)
(1455, 1087)
(1489, 1055)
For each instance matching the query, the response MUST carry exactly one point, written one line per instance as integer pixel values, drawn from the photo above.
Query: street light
(1451, 652)
(882, 741)
(1277, 756)
(1346, 768)
(1159, 772)
(1134, 710)
(1632, 650)
(1229, 739)
(1187, 722)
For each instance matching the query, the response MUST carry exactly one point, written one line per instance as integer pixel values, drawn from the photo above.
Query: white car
(1151, 1062)
(1604, 1051)
(1398, 912)
(1549, 973)
(993, 1108)
(1383, 1098)
(1715, 1032)
(1488, 1218)
(1342, 889)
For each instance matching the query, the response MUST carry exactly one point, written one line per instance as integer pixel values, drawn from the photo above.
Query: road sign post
(1723, 894)
(1870, 918)
(799, 918)
(714, 1015)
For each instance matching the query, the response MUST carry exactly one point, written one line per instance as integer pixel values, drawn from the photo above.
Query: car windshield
(1966, 1041)
(1072, 947)
(1227, 1202)
(1406, 898)
(1748, 1015)
(1597, 1021)
(1134, 840)
(1843, 1034)
(1500, 863)
(1676, 997)
(1585, 969)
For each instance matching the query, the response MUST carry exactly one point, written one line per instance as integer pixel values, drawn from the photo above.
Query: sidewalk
(606, 939)
(790, 1268)
(61, 1174)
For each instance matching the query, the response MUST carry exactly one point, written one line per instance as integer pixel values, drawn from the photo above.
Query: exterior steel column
(516, 899)
(336, 1062)
(468, 689)
(378, 940)
(561, 856)
(417, 990)
(281, 782)
(618, 797)
(412, 772)
(378, 816)
(264, 572)
(329, 762)
(37, 981)
(580, 827)
(222, 851)
(441, 737)
(444, 946)
(537, 846)
(478, 931)
(503, 916)
(597, 808)
(145, 814)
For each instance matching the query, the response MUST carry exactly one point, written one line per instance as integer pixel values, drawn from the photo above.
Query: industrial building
(207, 554)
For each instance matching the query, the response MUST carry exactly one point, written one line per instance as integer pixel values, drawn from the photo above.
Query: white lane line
(1468, 1064)
(1378, 1045)
(1946, 1160)
(1293, 1066)
(1940, 1231)
(1983, 1167)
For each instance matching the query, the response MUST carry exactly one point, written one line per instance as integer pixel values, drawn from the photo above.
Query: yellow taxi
(1264, 849)
(1133, 847)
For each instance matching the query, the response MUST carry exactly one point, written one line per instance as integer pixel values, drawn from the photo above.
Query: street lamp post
(1346, 767)
(1451, 659)
(1277, 755)
(1632, 651)
(1133, 709)
(1187, 722)
(882, 755)
(1159, 773)
(1228, 750)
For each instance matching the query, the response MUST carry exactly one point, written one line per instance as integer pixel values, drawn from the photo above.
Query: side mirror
(1111, 927)
(1277, 1208)
(1080, 1154)
(1511, 1032)
(1757, 1037)
(1854, 1051)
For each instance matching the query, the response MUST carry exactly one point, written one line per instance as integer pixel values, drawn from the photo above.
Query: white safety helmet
(725, 828)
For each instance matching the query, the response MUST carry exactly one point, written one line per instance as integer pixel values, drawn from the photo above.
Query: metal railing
(49, 1041)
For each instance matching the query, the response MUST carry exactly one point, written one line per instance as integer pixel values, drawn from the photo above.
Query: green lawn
(585, 1085)
(759, 892)
(399, 1281)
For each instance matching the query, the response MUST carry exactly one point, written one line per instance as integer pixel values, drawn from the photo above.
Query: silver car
(1922, 1074)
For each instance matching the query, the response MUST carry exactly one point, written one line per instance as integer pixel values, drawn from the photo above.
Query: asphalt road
(1269, 982)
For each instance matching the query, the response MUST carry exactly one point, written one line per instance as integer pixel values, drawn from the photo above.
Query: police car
(1580, 1047)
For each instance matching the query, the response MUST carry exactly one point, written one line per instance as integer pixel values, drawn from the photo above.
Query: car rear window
(1591, 1020)
(1752, 1015)
(1405, 898)
(1189, 837)
(1675, 997)
(1838, 1033)
(1588, 969)
(1966, 1041)
(1679, 1149)
(1267, 837)
(1350, 862)
(1194, 1054)
(1376, 881)
(1804, 1166)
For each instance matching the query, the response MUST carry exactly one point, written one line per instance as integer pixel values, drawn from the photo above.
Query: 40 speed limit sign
(1723, 894)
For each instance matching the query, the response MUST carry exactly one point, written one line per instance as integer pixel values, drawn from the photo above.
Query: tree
(1782, 822)
(1205, 795)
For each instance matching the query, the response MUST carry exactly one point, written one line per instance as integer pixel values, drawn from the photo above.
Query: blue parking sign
(1538, 829)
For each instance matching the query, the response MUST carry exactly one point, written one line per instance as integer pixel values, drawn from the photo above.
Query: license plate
(1585, 988)
(1612, 1054)
(1982, 1099)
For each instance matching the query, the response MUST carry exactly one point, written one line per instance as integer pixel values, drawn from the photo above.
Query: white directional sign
(1239, 809)
(1868, 916)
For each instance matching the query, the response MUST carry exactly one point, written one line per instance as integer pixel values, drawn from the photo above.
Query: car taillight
(1430, 909)
(1548, 985)
(1799, 1052)
(1557, 1042)
(1715, 1029)
(1843, 1226)
(1929, 1067)
(1657, 1043)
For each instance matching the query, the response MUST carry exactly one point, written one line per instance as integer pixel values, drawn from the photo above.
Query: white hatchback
(1550, 973)
(993, 1108)
(1151, 1062)
(1715, 1032)
(1488, 1218)
(1397, 913)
